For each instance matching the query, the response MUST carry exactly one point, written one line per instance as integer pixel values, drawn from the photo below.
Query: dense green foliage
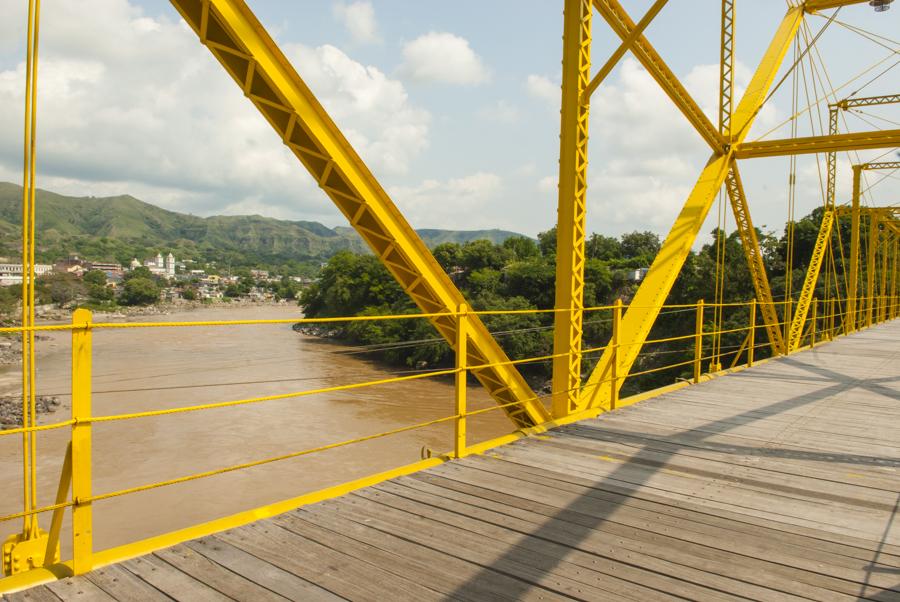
(519, 273)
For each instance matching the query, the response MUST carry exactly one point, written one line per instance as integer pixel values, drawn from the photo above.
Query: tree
(547, 242)
(482, 253)
(521, 248)
(642, 245)
(188, 294)
(139, 291)
(139, 272)
(448, 255)
(602, 247)
(95, 277)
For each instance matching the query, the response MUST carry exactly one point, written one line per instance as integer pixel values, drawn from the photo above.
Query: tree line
(519, 274)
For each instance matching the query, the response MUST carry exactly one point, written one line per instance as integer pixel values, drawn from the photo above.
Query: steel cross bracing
(243, 46)
(809, 283)
(621, 23)
(750, 243)
(643, 310)
(570, 231)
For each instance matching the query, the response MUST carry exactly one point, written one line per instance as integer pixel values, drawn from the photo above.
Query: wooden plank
(444, 573)
(35, 594)
(529, 567)
(335, 572)
(171, 581)
(216, 576)
(124, 585)
(267, 575)
(81, 590)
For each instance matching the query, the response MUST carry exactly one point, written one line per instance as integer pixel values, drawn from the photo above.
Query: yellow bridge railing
(30, 560)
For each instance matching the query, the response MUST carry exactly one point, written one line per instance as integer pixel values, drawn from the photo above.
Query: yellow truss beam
(867, 101)
(809, 283)
(621, 23)
(244, 48)
(750, 244)
(819, 144)
(570, 231)
(812, 6)
(654, 289)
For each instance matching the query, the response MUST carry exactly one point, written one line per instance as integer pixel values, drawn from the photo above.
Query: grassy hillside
(121, 227)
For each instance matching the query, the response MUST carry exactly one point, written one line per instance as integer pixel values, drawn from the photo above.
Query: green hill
(121, 227)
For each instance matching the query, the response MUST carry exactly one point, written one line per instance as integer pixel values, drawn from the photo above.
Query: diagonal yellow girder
(654, 289)
(814, 5)
(622, 24)
(809, 283)
(819, 144)
(242, 45)
(753, 253)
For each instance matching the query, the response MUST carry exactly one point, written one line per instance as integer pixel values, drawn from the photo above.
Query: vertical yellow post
(813, 317)
(570, 219)
(698, 341)
(82, 521)
(871, 253)
(853, 283)
(832, 311)
(882, 297)
(614, 362)
(462, 325)
(894, 280)
(751, 344)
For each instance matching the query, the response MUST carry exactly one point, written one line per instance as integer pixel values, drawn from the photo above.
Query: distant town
(154, 279)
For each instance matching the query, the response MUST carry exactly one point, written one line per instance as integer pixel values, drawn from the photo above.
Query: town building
(158, 266)
(11, 273)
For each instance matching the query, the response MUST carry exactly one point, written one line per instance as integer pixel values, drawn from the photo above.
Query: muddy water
(157, 368)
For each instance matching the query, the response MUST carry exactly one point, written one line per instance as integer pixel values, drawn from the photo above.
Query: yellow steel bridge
(771, 479)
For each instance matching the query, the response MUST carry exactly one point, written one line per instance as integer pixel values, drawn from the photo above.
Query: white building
(158, 266)
(11, 273)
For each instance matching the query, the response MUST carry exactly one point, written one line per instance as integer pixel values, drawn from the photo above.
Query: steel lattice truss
(242, 45)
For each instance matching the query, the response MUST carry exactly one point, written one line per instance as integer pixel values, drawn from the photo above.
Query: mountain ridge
(119, 227)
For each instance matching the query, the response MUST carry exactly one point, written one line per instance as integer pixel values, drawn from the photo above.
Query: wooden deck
(776, 483)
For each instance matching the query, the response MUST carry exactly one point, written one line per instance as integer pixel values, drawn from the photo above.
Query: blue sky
(453, 105)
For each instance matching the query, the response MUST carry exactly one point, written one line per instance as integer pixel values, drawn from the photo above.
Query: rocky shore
(11, 409)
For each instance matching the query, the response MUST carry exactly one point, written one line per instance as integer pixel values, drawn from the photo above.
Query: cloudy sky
(454, 106)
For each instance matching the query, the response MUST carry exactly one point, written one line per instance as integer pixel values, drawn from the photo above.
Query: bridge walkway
(779, 482)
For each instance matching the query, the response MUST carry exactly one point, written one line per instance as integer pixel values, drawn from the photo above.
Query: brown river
(157, 368)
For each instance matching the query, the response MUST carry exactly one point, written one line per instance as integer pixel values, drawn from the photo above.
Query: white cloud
(457, 203)
(548, 183)
(373, 111)
(445, 58)
(359, 19)
(135, 104)
(501, 111)
(544, 89)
